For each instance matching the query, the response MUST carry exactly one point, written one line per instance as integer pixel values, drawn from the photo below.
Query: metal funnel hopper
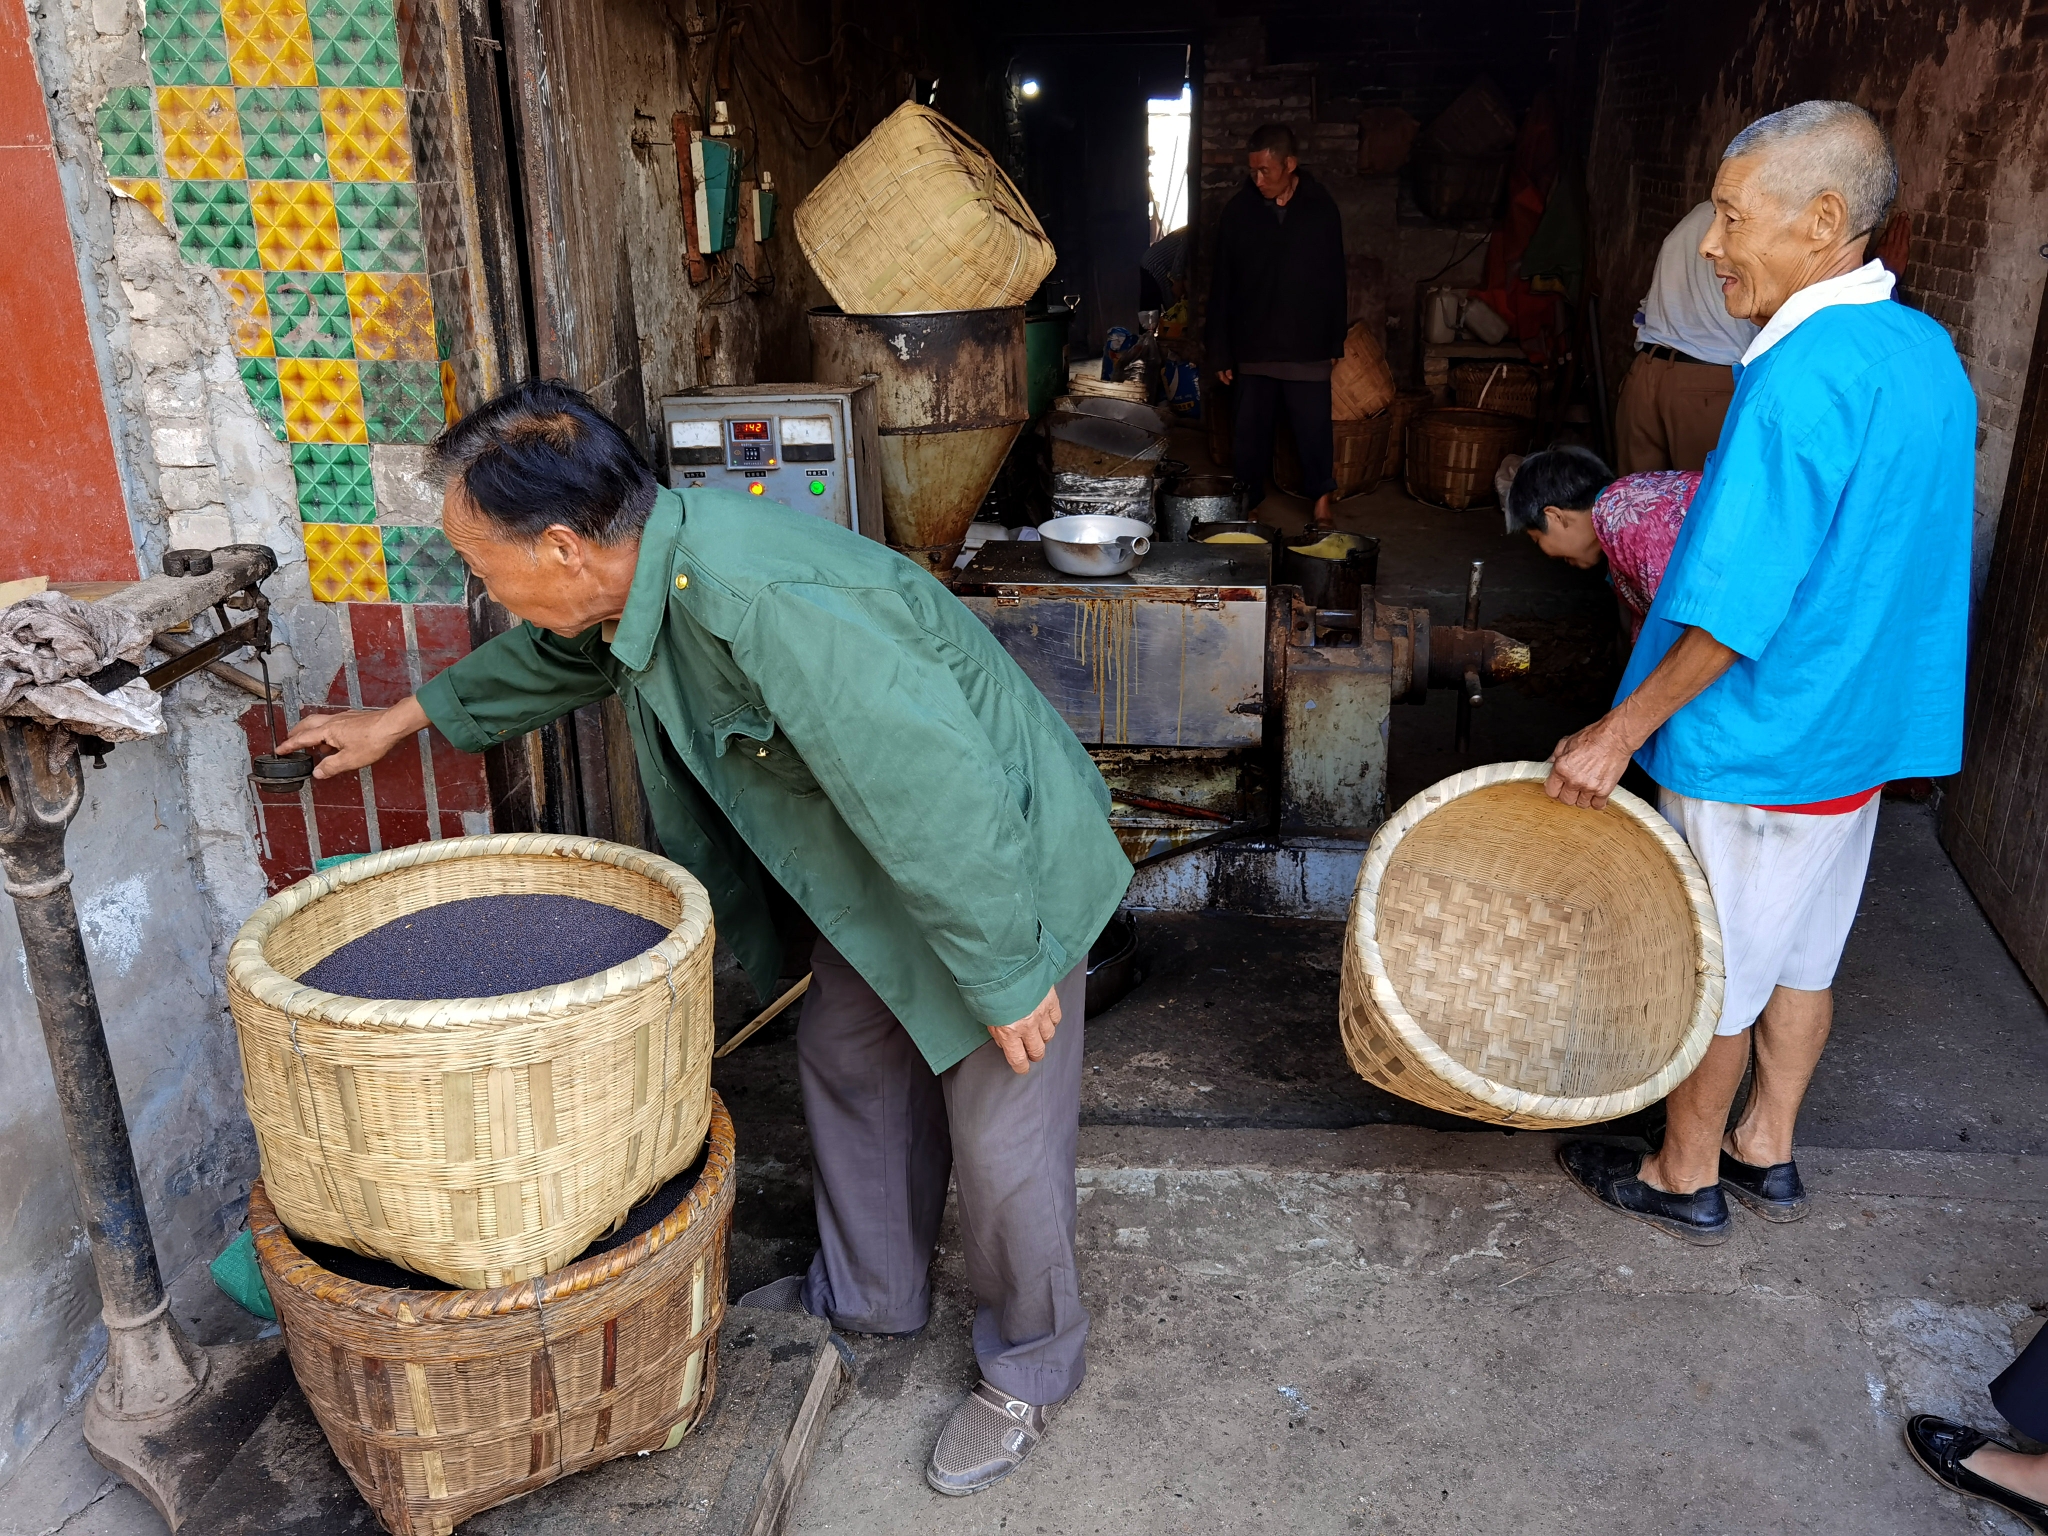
(950, 399)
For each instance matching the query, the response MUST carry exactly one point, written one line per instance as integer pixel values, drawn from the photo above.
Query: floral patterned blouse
(1637, 519)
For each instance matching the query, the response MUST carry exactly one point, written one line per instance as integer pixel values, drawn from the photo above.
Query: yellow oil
(1333, 546)
(1236, 538)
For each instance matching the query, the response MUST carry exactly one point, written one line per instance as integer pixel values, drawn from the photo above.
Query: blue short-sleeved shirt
(1829, 545)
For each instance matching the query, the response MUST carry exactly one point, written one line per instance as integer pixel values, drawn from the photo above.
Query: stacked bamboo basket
(486, 1142)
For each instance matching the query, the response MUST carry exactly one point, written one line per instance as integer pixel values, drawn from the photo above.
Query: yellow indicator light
(757, 489)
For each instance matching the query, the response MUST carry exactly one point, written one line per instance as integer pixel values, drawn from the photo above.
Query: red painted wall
(60, 494)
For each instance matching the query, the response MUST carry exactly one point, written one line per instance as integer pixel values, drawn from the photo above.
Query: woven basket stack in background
(486, 1142)
(918, 217)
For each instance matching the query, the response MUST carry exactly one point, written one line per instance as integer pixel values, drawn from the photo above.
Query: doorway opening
(1169, 123)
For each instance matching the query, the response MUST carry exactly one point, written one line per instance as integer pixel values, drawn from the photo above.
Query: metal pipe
(1472, 594)
(41, 794)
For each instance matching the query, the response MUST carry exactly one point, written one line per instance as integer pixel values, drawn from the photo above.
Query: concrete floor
(1319, 1308)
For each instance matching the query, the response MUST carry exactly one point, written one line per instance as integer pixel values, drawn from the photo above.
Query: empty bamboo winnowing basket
(1526, 963)
(478, 1140)
(919, 217)
(443, 1403)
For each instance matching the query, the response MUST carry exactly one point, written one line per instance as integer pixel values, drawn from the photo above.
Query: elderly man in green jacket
(822, 728)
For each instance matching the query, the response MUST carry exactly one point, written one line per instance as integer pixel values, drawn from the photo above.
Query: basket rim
(249, 970)
(290, 1266)
(1583, 1109)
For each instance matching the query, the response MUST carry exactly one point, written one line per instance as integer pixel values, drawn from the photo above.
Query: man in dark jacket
(1276, 314)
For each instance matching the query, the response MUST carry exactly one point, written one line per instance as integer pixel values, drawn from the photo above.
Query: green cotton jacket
(815, 715)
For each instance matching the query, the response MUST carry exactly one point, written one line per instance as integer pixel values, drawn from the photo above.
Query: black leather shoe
(1942, 1446)
(1608, 1174)
(1774, 1193)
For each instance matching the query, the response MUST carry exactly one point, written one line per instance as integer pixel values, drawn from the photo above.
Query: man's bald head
(1818, 147)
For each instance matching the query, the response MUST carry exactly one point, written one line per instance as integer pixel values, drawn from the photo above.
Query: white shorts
(1785, 888)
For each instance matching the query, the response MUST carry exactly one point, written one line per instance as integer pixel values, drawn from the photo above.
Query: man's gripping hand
(1025, 1041)
(1588, 764)
(356, 739)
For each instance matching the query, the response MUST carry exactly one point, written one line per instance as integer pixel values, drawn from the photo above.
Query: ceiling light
(1028, 89)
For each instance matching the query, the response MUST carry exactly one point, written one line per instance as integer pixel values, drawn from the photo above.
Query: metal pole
(1469, 696)
(165, 1414)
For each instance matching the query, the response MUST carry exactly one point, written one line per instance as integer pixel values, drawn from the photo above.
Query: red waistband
(1838, 807)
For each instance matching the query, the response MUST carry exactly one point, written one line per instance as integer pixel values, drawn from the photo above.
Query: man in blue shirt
(1806, 646)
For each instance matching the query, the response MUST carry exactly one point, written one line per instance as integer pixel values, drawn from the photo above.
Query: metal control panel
(811, 447)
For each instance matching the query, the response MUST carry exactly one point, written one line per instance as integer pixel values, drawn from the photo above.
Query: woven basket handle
(1010, 199)
(1498, 370)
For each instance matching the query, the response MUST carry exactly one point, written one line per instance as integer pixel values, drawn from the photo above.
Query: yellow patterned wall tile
(270, 42)
(345, 563)
(249, 314)
(295, 226)
(146, 191)
(202, 135)
(366, 134)
(393, 316)
(323, 401)
(450, 411)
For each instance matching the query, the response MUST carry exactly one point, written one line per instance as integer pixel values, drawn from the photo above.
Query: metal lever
(1469, 696)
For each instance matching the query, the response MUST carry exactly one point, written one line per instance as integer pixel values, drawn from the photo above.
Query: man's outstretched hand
(356, 739)
(1588, 764)
(1024, 1041)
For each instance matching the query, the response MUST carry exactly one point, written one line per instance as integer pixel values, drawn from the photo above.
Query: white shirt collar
(1868, 284)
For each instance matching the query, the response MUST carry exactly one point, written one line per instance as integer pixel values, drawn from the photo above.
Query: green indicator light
(817, 487)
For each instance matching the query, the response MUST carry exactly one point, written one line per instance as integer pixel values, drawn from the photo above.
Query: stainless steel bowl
(1094, 545)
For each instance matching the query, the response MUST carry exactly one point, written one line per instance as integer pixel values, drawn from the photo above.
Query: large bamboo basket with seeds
(1526, 963)
(478, 1140)
(918, 217)
(443, 1403)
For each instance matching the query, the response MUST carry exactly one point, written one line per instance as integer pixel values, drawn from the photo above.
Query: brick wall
(1961, 88)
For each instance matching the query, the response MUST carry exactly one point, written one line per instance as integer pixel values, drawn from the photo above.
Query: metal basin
(1093, 545)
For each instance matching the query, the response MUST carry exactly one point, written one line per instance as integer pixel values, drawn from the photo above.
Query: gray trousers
(886, 1131)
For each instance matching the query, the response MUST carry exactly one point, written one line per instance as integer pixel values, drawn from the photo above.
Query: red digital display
(749, 431)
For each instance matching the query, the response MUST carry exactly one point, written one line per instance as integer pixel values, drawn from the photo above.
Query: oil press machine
(1239, 714)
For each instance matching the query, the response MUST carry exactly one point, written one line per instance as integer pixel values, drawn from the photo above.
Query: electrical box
(812, 447)
(715, 163)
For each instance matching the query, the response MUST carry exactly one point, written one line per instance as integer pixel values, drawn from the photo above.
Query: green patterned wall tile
(380, 226)
(402, 402)
(309, 314)
(128, 132)
(355, 42)
(259, 377)
(422, 566)
(215, 228)
(185, 42)
(334, 483)
(283, 136)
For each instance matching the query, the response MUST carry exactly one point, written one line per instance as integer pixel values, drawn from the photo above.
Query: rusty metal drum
(951, 395)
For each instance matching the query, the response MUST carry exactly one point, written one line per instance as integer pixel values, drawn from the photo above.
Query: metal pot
(1092, 545)
(1201, 530)
(1199, 499)
(1329, 583)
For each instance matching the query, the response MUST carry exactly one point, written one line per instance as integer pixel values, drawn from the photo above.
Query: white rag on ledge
(50, 642)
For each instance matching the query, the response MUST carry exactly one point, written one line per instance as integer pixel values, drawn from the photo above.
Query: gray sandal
(986, 1440)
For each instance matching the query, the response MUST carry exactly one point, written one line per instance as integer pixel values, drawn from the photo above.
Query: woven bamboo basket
(1358, 458)
(444, 1403)
(1453, 452)
(477, 1140)
(1403, 411)
(1508, 387)
(1521, 962)
(917, 216)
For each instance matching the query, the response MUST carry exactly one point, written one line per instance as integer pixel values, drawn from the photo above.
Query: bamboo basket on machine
(1453, 452)
(478, 1140)
(919, 217)
(1525, 963)
(1508, 387)
(440, 1404)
